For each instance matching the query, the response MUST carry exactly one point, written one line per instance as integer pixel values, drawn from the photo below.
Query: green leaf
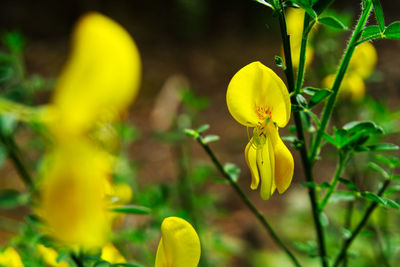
(379, 14)
(323, 219)
(324, 185)
(132, 209)
(210, 138)
(332, 22)
(370, 32)
(11, 198)
(383, 147)
(392, 190)
(279, 62)
(340, 195)
(265, 3)
(318, 97)
(392, 162)
(330, 139)
(232, 170)
(341, 137)
(374, 197)
(391, 203)
(301, 100)
(349, 184)
(367, 126)
(306, 5)
(393, 31)
(379, 169)
(203, 128)
(191, 133)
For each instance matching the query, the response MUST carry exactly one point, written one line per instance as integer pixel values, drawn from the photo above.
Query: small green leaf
(232, 170)
(11, 198)
(379, 14)
(392, 162)
(220, 180)
(323, 219)
(306, 5)
(301, 100)
(392, 190)
(393, 31)
(373, 197)
(318, 97)
(332, 22)
(265, 3)
(132, 209)
(203, 128)
(330, 139)
(367, 126)
(391, 203)
(279, 62)
(191, 133)
(210, 138)
(383, 147)
(341, 137)
(349, 184)
(371, 31)
(340, 195)
(379, 169)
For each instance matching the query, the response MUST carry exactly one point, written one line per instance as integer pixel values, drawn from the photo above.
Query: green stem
(247, 202)
(303, 50)
(334, 182)
(300, 135)
(77, 260)
(327, 112)
(360, 225)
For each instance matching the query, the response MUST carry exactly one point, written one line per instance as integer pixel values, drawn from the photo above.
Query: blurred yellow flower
(364, 60)
(258, 98)
(111, 254)
(179, 245)
(73, 200)
(49, 255)
(361, 66)
(294, 23)
(10, 258)
(100, 79)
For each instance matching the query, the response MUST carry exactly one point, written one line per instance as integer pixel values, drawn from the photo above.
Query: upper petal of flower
(101, 76)
(179, 245)
(256, 87)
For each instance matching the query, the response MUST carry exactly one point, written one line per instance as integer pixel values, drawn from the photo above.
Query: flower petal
(266, 169)
(284, 164)
(364, 60)
(101, 76)
(250, 154)
(179, 245)
(257, 86)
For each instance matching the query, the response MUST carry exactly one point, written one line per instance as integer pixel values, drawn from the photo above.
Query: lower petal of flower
(284, 164)
(250, 154)
(265, 165)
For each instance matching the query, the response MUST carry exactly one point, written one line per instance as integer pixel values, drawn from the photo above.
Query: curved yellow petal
(256, 87)
(179, 245)
(250, 154)
(10, 258)
(266, 168)
(284, 163)
(111, 254)
(101, 76)
(72, 192)
(364, 60)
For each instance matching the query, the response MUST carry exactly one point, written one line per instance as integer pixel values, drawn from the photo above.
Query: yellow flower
(100, 79)
(73, 200)
(294, 23)
(258, 98)
(179, 245)
(352, 86)
(364, 60)
(361, 66)
(10, 258)
(111, 254)
(49, 255)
